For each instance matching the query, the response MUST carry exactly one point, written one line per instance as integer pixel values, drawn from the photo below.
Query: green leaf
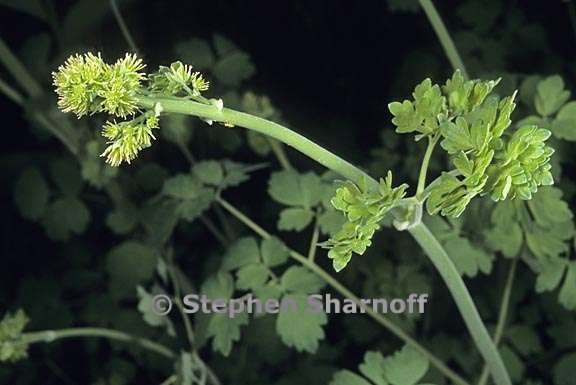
(122, 220)
(508, 240)
(405, 367)
(128, 265)
(331, 221)
(469, 259)
(346, 377)
(564, 126)
(225, 331)
(218, 286)
(190, 209)
(177, 128)
(293, 189)
(223, 45)
(298, 279)
(146, 308)
(196, 52)
(373, 368)
(182, 186)
(295, 218)
(274, 252)
(550, 95)
(31, 194)
(252, 277)
(567, 296)
(551, 274)
(64, 217)
(236, 173)
(209, 172)
(301, 329)
(548, 208)
(242, 252)
(234, 68)
(524, 338)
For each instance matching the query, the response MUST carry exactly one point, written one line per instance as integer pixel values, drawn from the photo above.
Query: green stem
(380, 319)
(314, 241)
(424, 167)
(464, 301)
(444, 36)
(123, 27)
(18, 71)
(263, 126)
(48, 336)
(420, 232)
(11, 93)
(278, 150)
(503, 315)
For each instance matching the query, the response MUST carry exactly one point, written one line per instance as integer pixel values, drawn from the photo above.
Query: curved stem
(380, 319)
(503, 315)
(424, 167)
(464, 301)
(444, 36)
(263, 126)
(420, 232)
(48, 336)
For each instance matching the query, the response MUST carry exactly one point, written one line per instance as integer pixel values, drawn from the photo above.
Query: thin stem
(18, 71)
(11, 93)
(420, 232)
(503, 315)
(444, 36)
(178, 294)
(123, 27)
(314, 241)
(55, 130)
(212, 228)
(278, 149)
(464, 301)
(48, 336)
(380, 319)
(424, 167)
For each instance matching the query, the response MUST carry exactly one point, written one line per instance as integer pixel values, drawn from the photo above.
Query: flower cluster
(12, 347)
(178, 79)
(86, 85)
(364, 210)
(126, 139)
(472, 124)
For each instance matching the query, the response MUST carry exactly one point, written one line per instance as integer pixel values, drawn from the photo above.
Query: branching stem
(420, 232)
